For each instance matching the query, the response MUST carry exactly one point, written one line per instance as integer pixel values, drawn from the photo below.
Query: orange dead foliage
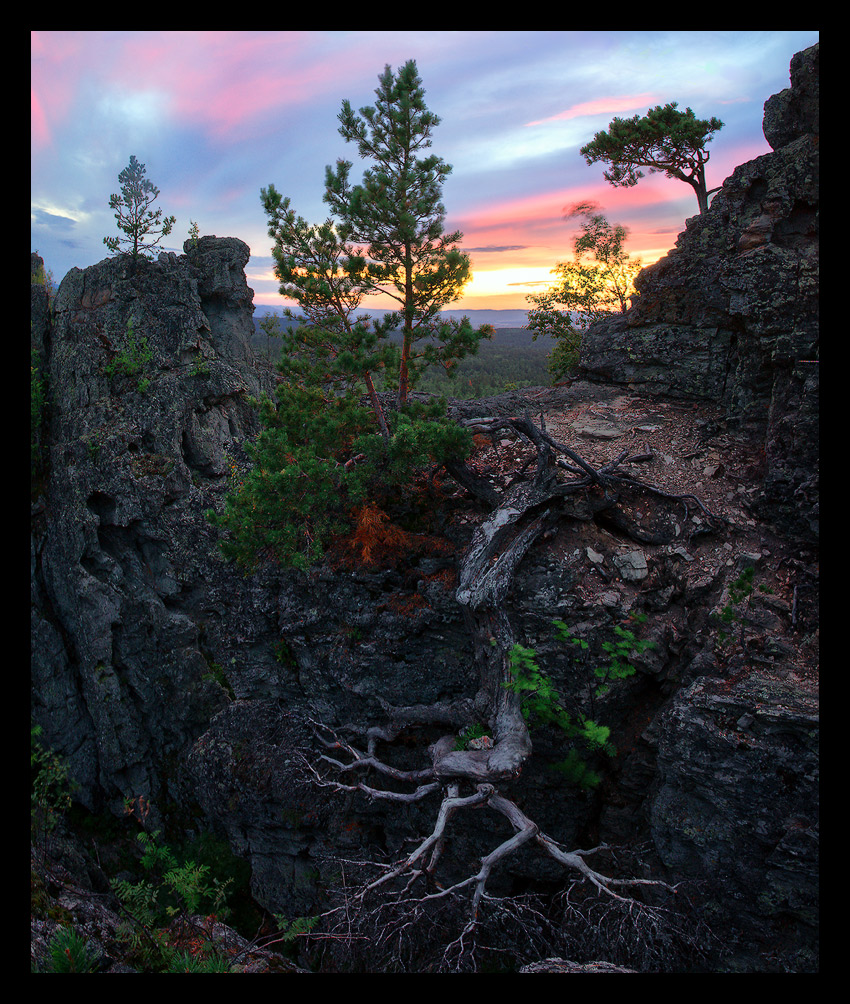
(376, 542)
(374, 537)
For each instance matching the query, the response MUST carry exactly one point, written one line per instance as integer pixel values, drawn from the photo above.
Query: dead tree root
(467, 780)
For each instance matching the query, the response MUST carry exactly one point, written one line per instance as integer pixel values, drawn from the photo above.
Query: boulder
(735, 812)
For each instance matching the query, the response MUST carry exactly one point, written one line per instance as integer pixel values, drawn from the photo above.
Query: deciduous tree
(664, 139)
(597, 281)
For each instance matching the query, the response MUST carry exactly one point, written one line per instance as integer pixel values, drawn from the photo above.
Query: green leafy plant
(189, 883)
(50, 789)
(194, 236)
(596, 282)
(469, 733)
(43, 277)
(576, 770)
(200, 367)
(288, 930)
(173, 890)
(541, 704)
(132, 358)
(732, 613)
(620, 652)
(206, 962)
(217, 675)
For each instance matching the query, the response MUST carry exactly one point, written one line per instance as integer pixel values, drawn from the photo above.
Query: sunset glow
(217, 115)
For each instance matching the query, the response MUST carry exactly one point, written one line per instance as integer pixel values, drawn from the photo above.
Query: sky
(217, 115)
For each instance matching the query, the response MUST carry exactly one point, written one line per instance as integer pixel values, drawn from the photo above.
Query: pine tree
(664, 139)
(310, 264)
(396, 217)
(135, 217)
(322, 455)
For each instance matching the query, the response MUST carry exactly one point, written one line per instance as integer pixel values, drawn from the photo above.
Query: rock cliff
(149, 378)
(730, 314)
(159, 670)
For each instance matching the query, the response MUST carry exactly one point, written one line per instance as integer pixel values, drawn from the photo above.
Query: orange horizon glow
(510, 275)
(503, 288)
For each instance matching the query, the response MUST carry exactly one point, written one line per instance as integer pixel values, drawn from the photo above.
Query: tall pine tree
(135, 217)
(396, 218)
(323, 458)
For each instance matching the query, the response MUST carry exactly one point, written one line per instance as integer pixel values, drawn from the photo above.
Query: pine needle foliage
(395, 218)
(143, 227)
(664, 140)
(332, 450)
(322, 457)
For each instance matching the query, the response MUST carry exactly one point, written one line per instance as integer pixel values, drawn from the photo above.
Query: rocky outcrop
(565, 966)
(150, 376)
(730, 315)
(737, 800)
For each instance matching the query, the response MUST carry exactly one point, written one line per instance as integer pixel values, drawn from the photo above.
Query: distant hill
(498, 318)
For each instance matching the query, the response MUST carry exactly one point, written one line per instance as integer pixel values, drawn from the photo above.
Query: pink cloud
(547, 208)
(54, 56)
(40, 132)
(601, 106)
(233, 78)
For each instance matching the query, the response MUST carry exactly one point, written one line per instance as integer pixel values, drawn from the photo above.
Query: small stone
(632, 566)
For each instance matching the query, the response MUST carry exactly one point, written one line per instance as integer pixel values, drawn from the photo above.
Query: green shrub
(620, 652)
(50, 789)
(542, 704)
(69, 953)
(132, 359)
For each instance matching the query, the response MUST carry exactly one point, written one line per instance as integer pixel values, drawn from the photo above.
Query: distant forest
(509, 360)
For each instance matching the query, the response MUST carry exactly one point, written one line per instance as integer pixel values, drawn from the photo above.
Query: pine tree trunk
(404, 370)
(376, 407)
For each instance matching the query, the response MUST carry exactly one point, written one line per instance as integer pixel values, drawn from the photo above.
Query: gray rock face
(796, 110)
(737, 799)
(149, 378)
(730, 315)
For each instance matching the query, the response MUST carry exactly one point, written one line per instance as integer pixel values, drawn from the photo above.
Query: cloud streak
(600, 106)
